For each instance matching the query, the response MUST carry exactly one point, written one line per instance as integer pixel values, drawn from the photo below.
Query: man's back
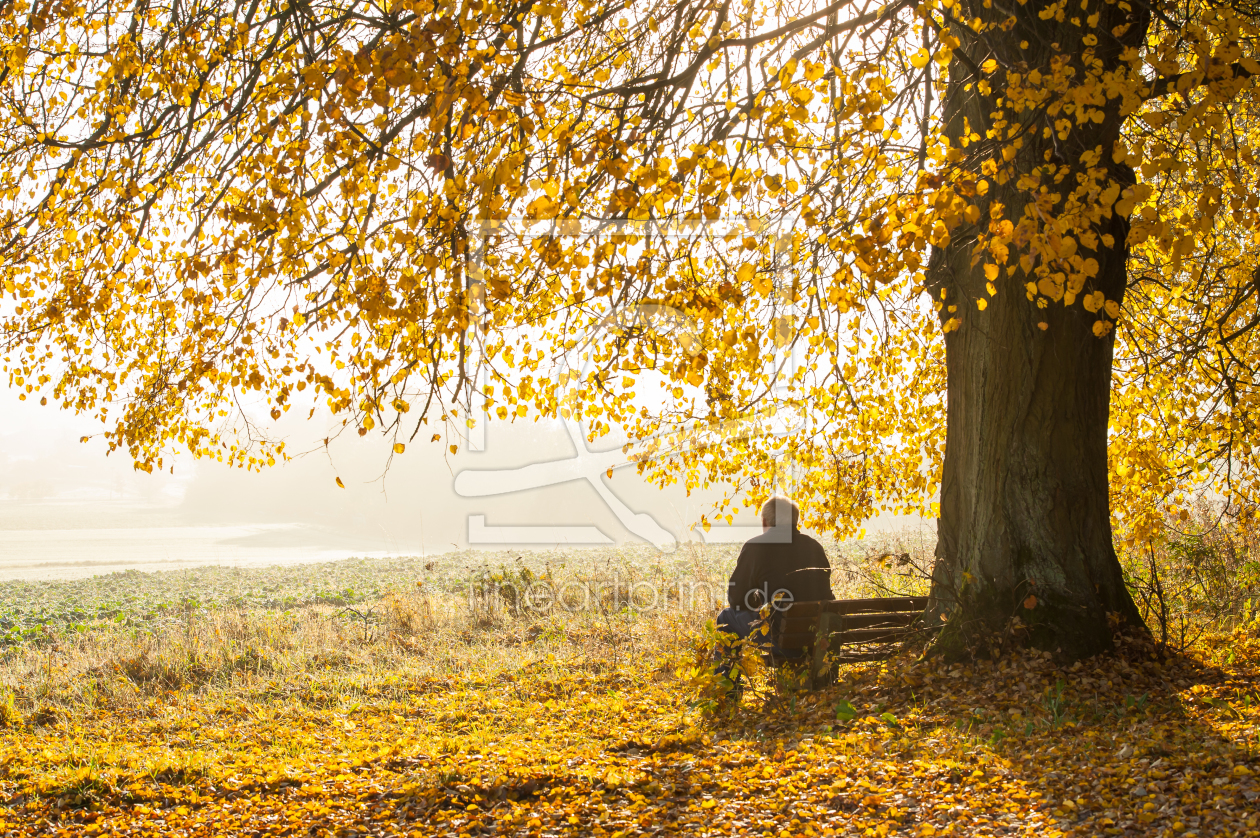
(768, 564)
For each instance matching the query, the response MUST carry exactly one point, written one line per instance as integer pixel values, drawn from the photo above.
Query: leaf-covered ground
(1133, 745)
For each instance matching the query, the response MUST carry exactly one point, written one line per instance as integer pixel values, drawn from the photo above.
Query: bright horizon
(67, 510)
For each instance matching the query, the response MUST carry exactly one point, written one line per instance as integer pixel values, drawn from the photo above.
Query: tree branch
(1164, 85)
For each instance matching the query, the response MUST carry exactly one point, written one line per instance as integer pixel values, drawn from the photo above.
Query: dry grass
(257, 632)
(450, 707)
(1199, 576)
(409, 635)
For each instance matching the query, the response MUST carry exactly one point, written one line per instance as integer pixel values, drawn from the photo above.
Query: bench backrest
(850, 621)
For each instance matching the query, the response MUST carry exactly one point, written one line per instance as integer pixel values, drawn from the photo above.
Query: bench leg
(822, 641)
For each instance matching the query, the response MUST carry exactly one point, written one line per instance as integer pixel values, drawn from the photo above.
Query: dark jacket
(768, 564)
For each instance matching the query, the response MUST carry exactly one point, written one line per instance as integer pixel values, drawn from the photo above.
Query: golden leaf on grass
(991, 725)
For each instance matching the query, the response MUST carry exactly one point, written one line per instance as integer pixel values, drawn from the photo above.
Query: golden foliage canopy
(413, 210)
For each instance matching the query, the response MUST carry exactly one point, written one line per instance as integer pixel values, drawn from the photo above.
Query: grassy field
(426, 697)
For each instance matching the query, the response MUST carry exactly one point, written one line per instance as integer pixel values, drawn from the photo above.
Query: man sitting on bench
(780, 566)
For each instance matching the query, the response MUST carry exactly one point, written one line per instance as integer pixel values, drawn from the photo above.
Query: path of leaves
(1017, 747)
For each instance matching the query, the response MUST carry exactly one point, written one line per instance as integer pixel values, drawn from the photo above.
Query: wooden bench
(852, 629)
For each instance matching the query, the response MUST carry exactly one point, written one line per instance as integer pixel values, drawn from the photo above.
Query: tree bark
(1025, 524)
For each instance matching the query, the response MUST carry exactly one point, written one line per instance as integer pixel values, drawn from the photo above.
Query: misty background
(67, 509)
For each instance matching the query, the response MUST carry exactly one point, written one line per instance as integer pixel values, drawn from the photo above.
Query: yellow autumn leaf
(448, 212)
(236, 734)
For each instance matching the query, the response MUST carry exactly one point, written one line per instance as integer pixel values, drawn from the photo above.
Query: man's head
(779, 510)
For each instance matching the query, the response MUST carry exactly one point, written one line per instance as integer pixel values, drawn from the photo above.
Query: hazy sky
(63, 502)
(68, 509)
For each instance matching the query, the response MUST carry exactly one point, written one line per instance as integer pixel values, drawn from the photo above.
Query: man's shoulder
(813, 546)
(799, 542)
(777, 536)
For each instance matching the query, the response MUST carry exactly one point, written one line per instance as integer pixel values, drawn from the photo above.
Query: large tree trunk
(1025, 526)
(1025, 519)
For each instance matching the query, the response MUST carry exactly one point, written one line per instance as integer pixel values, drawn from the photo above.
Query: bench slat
(857, 606)
(878, 605)
(858, 657)
(804, 640)
(793, 625)
(871, 635)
